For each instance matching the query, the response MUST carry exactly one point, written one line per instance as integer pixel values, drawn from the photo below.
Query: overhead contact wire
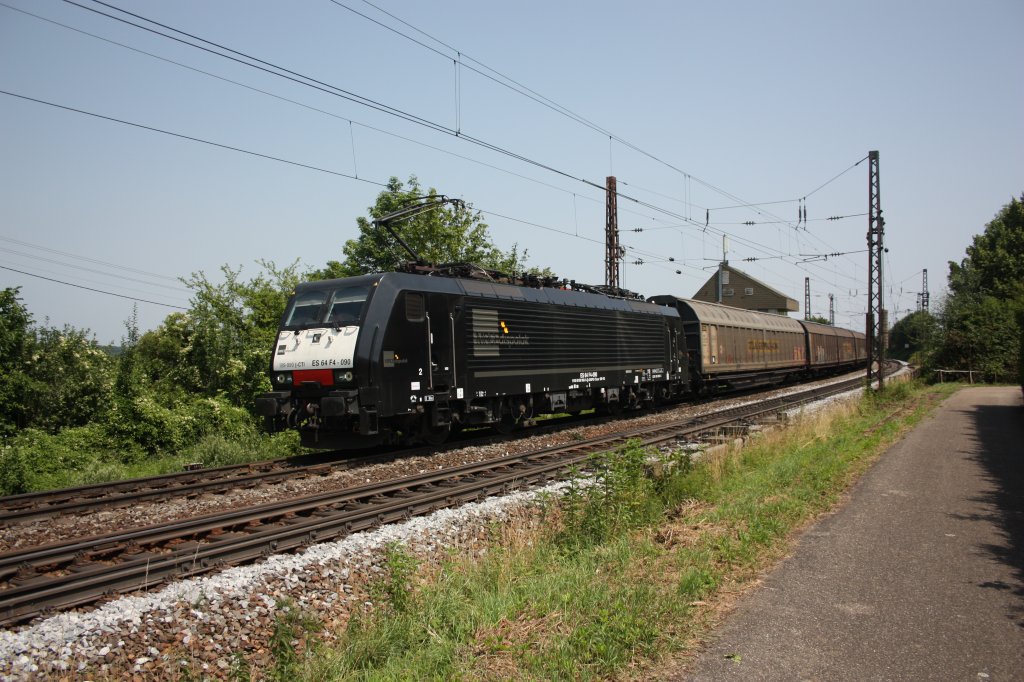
(193, 139)
(99, 291)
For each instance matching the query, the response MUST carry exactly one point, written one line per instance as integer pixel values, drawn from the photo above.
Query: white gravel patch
(825, 403)
(208, 619)
(74, 642)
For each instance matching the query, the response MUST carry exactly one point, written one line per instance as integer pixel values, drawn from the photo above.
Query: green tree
(49, 378)
(981, 334)
(980, 319)
(15, 321)
(448, 234)
(221, 346)
(994, 264)
(200, 370)
(1020, 361)
(819, 319)
(912, 337)
(68, 379)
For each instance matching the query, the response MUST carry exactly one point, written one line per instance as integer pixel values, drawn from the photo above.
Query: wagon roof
(827, 330)
(713, 313)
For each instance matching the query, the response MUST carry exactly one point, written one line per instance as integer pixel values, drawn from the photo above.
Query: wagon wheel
(612, 408)
(437, 435)
(505, 424)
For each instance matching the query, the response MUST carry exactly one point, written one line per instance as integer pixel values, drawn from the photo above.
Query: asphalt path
(919, 576)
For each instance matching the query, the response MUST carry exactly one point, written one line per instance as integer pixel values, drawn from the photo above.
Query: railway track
(191, 483)
(40, 580)
(200, 481)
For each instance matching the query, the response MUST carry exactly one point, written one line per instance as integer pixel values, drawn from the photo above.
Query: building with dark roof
(740, 290)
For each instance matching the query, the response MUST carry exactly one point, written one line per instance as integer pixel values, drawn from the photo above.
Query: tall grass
(36, 460)
(620, 571)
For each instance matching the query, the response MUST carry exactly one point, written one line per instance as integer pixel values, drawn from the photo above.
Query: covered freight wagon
(730, 347)
(830, 348)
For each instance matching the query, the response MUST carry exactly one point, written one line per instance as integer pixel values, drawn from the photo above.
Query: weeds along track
(186, 484)
(200, 481)
(41, 580)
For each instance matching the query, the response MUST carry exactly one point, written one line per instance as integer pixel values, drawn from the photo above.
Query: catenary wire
(299, 104)
(326, 88)
(380, 106)
(191, 138)
(99, 291)
(646, 204)
(273, 158)
(267, 93)
(86, 279)
(386, 108)
(83, 268)
(86, 258)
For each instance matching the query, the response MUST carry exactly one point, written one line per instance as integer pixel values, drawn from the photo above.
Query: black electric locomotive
(384, 357)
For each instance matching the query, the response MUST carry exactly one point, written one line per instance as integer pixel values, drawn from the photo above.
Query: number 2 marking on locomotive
(421, 371)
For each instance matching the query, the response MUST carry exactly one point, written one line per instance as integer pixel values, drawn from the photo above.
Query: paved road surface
(920, 576)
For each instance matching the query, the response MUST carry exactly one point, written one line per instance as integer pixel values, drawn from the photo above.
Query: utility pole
(807, 298)
(924, 290)
(831, 310)
(723, 275)
(611, 234)
(876, 321)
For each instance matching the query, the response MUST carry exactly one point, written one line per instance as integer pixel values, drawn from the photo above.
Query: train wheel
(437, 435)
(505, 425)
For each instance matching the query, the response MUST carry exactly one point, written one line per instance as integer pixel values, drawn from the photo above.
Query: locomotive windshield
(338, 307)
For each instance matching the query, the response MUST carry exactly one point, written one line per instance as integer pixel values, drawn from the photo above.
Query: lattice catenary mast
(613, 253)
(876, 312)
(924, 290)
(807, 298)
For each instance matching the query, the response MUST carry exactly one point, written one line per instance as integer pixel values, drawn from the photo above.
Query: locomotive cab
(364, 360)
(314, 370)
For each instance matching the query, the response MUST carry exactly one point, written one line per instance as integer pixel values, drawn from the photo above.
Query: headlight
(343, 376)
(283, 378)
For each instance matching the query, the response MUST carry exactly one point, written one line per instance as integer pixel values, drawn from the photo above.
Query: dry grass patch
(610, 579)
(498, 649)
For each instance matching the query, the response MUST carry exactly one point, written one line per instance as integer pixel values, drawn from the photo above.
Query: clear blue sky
(762, 101)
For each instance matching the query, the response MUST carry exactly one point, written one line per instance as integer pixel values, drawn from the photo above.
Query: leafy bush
(37, 460)
(620, 497)
(219, 449)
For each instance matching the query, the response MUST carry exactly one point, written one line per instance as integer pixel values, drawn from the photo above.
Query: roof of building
(708, 292)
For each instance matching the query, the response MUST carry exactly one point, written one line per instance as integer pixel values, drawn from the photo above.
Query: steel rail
(19, 508)
(13, 504)
(195, 482)
(186, 487)
(64, 552)
(82, 572)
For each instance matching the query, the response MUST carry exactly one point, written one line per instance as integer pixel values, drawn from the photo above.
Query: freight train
(402, 356)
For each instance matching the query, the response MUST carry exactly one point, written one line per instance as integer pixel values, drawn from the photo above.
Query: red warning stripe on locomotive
(325, 377)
